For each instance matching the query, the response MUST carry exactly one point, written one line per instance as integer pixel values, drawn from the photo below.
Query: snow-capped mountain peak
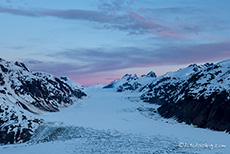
(24, 95)
(131, 82)
(150, 74)
(197, 94)
(130, 77)
(72, 83)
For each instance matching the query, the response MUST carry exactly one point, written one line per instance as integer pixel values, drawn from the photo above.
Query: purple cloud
(176, 22)
(55, 68)
(93, 65)
(178, 10)
(113, 16)
(130, 56)
(102, 60)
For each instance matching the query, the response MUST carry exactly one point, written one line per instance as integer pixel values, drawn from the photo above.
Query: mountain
(131, 82)
(72, 84)
(197, 94)
(203, 99)
(166, 87)
(24, 95)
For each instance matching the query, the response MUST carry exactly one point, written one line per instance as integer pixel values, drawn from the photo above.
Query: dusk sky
(97, 41)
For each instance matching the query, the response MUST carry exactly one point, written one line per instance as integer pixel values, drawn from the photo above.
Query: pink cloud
(122, 19)
(99, 64)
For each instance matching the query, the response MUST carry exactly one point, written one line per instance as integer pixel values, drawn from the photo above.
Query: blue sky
(96, 41)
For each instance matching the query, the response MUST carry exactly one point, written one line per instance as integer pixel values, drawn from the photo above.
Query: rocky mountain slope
(197, 95)
(131, 82)
(24, 95)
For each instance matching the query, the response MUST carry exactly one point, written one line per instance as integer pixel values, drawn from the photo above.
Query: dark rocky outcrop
(197, 94)
(24, 95)
(201, 98)
(212, 112)
(131, 82)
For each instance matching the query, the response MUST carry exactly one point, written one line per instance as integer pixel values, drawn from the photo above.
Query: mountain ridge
(24, 95)
(197, 94)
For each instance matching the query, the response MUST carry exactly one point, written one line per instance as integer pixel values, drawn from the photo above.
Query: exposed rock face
(200, 112)
(204, 99)
(24, 95)
(167, 88)
(131, 82)
(198, 95)
(201, 98)
(16, 125)
(150, 74)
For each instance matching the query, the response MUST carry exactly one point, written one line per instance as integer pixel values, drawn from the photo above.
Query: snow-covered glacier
(121, 118)
(110, 122)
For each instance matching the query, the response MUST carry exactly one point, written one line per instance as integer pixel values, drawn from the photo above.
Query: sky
(97, 41)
